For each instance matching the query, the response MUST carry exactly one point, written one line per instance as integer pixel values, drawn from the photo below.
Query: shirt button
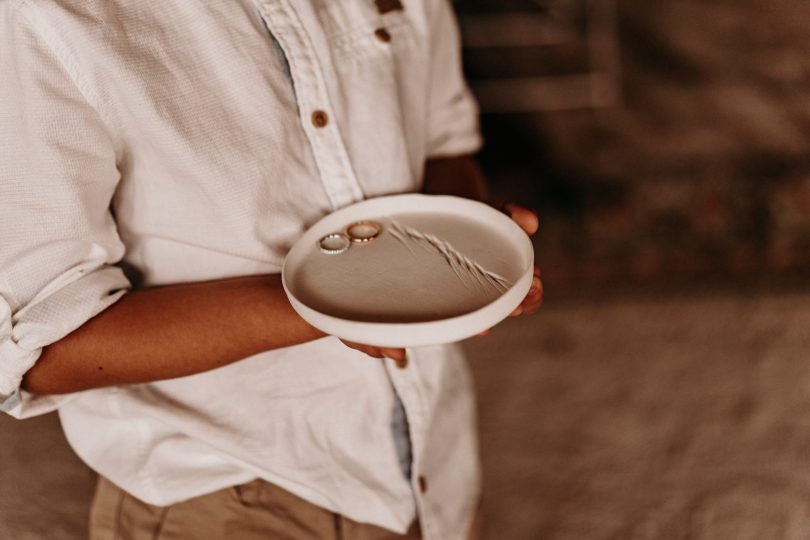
(383, 35)
(320, 119)
(422, 484)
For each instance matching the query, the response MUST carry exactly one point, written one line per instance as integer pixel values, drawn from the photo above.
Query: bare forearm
(169, 332)
(460, 176)
(180, 330)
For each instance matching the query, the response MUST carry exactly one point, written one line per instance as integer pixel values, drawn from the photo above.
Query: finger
(531, 305)
(373, 351)
(535, 293)
(525, 218)
(394, 354)
(535, 297)
(365, 349)
(531, 310)
(484, 333)
(536, 287)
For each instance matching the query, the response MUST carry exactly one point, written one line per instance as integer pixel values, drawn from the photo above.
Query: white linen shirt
(166, 141)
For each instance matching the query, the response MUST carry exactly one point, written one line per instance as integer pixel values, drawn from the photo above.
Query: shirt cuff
(16, 360)
(11, 402)
(42, 322)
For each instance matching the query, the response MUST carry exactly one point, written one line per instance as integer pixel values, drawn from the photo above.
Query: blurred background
(657, 139)
(663, 392)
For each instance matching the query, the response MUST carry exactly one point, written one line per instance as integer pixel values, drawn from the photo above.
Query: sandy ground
(610, 418)
(649, 419)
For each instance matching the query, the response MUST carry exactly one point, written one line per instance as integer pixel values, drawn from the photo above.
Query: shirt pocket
(359, 35)
(383, 73)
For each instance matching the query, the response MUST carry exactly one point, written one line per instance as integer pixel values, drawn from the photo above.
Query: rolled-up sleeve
(58, 240)
(453, 112)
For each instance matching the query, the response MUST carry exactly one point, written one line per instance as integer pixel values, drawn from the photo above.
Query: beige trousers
(256, 510)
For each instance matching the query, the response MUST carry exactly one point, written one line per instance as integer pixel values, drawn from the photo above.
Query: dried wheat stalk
(465, 268)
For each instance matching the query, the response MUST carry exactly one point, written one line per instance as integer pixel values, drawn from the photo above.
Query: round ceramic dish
(440, 269)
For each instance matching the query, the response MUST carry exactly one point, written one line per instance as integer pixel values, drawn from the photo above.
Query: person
(158, 160)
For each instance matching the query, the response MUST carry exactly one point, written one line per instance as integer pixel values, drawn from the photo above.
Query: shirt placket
(404, 377)
(315, 108)
(343, 188)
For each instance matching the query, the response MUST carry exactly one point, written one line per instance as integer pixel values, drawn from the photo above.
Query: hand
(398, 355)
(533, 299)
(527, 220)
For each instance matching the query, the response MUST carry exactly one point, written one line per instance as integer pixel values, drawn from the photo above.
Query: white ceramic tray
(442, 269)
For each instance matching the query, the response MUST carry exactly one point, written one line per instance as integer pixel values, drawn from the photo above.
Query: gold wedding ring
(363, 231)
